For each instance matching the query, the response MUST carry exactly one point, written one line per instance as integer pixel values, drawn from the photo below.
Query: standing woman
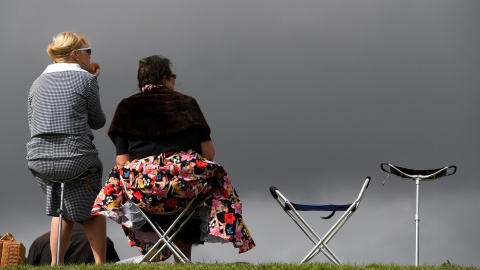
(63, 108)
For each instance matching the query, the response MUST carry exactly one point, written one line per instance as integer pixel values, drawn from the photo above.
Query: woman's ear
(74, 55)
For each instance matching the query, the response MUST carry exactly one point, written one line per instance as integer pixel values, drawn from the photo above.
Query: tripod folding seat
(417, 176)
(293, 209)
(84, 174)
(165, 237)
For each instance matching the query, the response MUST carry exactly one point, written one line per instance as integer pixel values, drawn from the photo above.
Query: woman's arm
(121, 145)
(96, 116)
(122, 159)
(208, 150)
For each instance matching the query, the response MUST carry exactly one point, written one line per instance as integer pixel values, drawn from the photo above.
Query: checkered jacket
(64, 100)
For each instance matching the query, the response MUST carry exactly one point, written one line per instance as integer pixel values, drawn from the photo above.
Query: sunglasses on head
(88, 50)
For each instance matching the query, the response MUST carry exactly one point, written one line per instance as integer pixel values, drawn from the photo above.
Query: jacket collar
(57, 67)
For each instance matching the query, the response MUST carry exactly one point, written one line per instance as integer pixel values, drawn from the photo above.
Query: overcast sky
(309, 96)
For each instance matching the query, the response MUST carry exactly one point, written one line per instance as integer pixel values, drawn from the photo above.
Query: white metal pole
(417, 223)
(60, 218)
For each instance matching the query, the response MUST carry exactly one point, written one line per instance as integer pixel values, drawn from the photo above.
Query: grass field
(228, 266)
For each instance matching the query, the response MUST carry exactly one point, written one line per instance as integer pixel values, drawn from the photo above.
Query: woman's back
(158, 121)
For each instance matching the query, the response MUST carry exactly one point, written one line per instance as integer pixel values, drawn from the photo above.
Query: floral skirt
(163, 185)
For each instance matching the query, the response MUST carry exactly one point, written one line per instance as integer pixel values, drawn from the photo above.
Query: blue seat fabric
(319, 207)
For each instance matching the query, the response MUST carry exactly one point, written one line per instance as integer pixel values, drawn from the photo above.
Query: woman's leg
(184, 247)
(67, 229)
(96, 231)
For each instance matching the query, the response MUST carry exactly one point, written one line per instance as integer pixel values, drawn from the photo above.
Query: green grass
(234, 266)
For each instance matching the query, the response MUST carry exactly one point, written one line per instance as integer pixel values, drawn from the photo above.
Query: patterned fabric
(149, 87)
(63, 106)
(163, 185)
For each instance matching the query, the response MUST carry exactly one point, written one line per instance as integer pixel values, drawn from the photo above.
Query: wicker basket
(12, 253)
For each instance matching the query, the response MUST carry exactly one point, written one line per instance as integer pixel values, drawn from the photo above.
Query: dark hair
(153, 69)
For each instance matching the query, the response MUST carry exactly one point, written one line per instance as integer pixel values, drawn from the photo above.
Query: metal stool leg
(60, 220)
(417, 224)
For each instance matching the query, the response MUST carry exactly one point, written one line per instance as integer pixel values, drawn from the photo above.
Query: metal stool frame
(417, 176)
(291, 209)
(164, 235)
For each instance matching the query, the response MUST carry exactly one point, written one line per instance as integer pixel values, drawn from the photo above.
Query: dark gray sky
(309, 96)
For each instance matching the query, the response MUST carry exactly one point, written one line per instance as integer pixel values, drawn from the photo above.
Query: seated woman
(165, 153)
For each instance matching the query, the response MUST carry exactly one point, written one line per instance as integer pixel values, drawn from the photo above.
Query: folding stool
(83, 174)
(166, 237)
(417, 176)
(292, 210)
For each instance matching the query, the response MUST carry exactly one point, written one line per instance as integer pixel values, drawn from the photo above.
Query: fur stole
(157, 113)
